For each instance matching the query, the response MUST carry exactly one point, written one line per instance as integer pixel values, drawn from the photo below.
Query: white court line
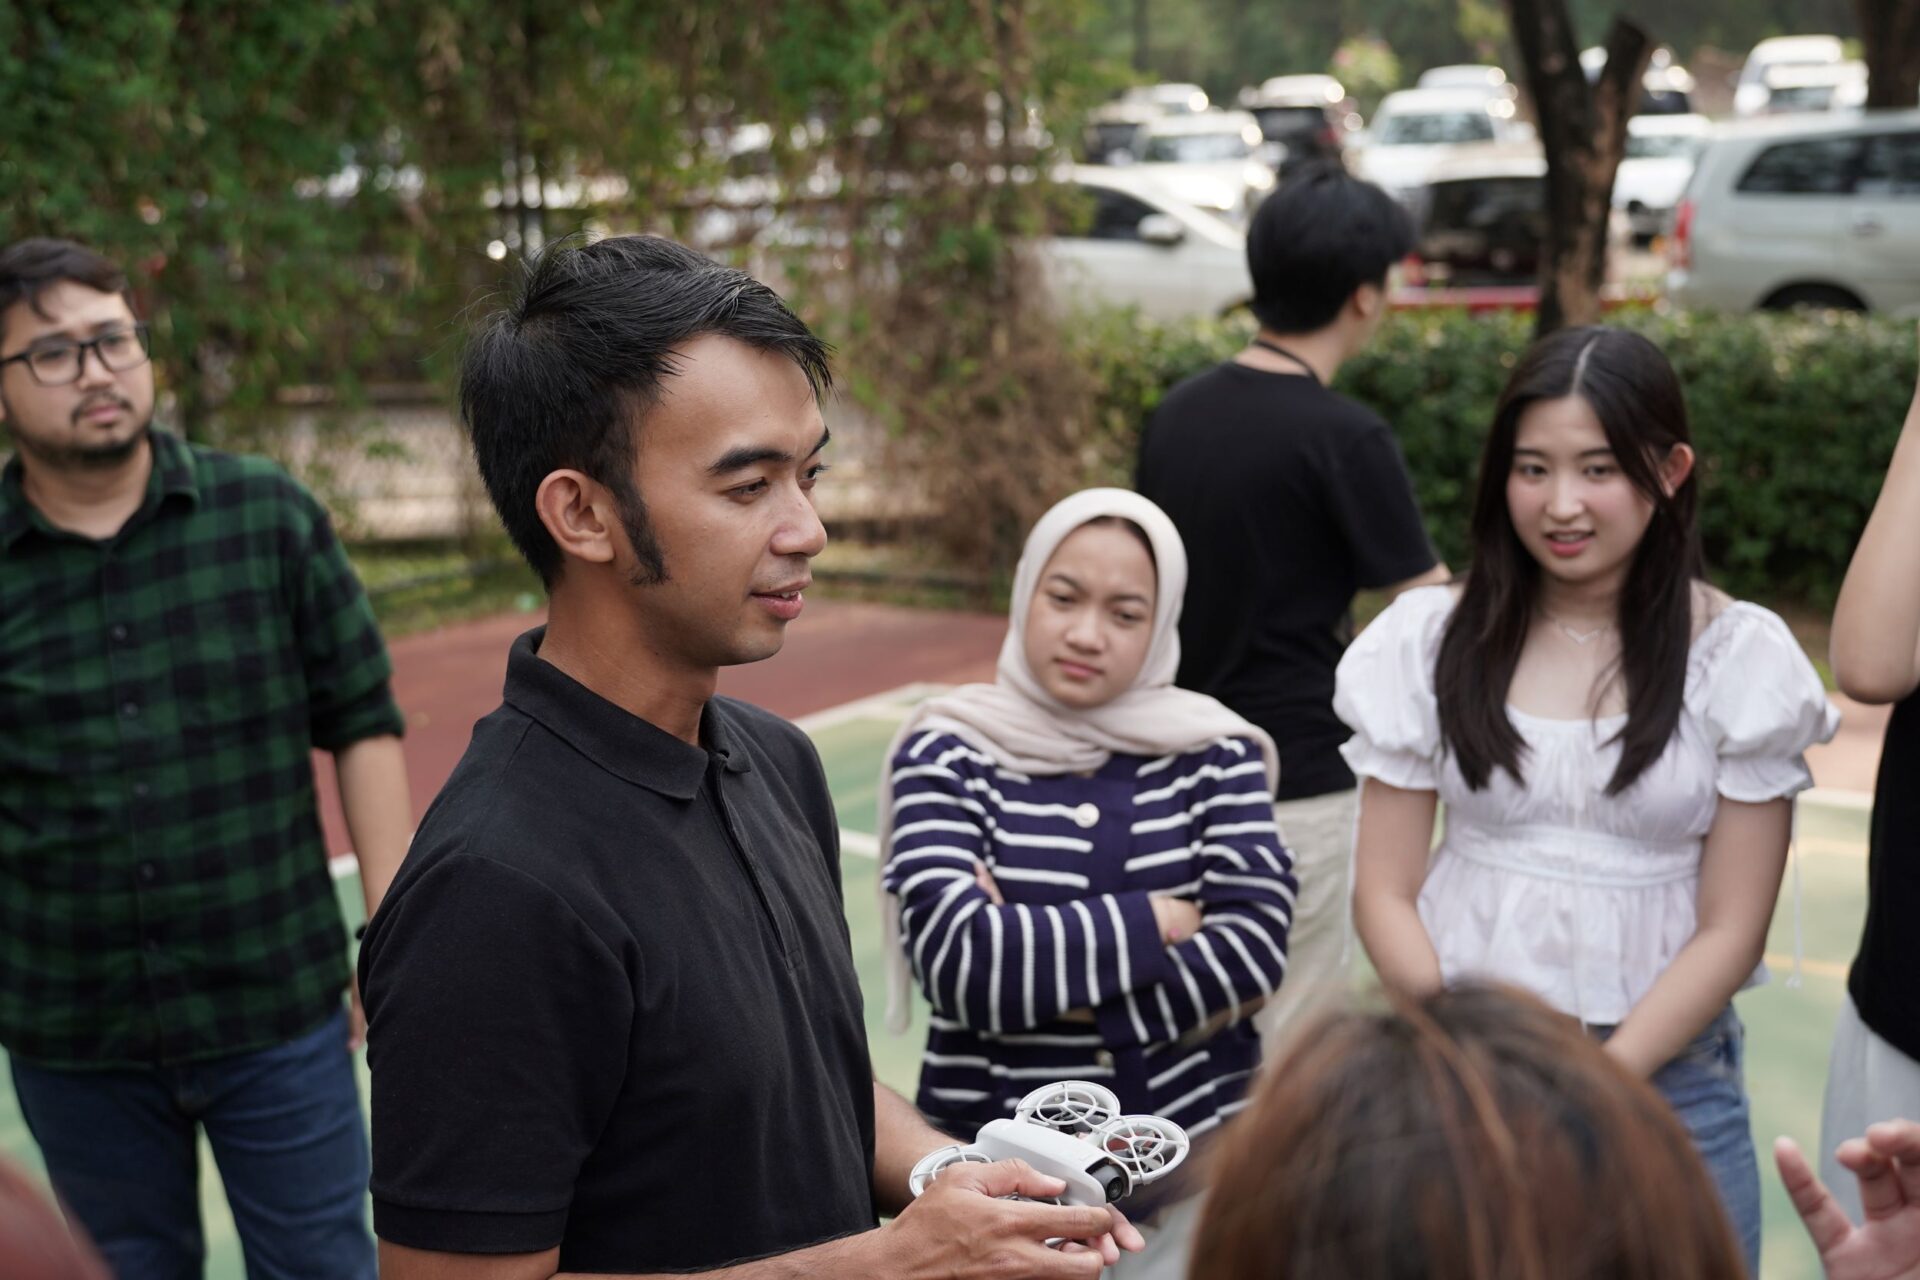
(1818, 968)
(879, 706)
(891, 705)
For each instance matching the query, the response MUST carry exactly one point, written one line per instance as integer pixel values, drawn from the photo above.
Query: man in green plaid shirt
(179, 628)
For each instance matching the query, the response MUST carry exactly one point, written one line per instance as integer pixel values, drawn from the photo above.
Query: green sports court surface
(1788, 1029)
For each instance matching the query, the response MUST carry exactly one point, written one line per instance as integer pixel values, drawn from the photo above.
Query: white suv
(1803, 210)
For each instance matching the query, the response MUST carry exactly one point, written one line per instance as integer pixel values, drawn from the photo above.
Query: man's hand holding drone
(1067, 1146)
(986, 1221)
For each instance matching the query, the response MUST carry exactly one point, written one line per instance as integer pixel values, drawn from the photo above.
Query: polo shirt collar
(615, 739)
(172, 475)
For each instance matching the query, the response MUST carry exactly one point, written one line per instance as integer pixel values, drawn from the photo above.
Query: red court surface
(836, 652)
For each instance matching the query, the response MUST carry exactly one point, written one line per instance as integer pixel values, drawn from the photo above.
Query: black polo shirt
(611, 1001)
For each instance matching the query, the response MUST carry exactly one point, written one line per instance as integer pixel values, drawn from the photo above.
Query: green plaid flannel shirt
(164, 894)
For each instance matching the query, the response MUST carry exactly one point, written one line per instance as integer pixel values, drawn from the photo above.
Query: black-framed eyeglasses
(58, 363)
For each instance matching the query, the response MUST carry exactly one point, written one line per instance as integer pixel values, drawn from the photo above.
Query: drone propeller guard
(1071, 1130)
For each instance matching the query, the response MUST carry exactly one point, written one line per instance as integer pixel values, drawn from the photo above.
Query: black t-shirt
(1882, 982)
(611, 1001)
(1290, 499)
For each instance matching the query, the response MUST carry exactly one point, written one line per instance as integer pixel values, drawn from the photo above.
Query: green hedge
(1794, 416)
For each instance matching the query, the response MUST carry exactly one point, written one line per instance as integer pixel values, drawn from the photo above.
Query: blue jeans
(1706, 1087)
(284, 1124)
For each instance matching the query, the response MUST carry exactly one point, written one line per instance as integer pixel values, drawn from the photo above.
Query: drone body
(1072, 1131)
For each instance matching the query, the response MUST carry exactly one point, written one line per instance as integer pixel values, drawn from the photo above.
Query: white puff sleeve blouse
(1581, 897)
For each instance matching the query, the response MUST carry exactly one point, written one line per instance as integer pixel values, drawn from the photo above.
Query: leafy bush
(1794, 416)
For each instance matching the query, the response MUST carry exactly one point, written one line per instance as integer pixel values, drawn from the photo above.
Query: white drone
(1072, 1131)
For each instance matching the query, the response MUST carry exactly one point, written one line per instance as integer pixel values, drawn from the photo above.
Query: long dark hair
(1633, 391)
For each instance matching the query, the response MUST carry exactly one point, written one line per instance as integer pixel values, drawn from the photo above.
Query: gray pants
(1318, 832)
(1868, 1080)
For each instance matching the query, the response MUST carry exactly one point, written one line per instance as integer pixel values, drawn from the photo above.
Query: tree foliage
(946, 181)
(315, 191)
(185, 139)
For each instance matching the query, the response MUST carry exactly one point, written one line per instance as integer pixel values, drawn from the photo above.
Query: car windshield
(1663, 146)
(1438, 127)
(1112, 136)
(1808, 97)
(1289, 122)
(1197, 148)
(1470, 203)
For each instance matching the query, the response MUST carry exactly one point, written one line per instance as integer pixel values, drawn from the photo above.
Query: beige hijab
(1021, 727)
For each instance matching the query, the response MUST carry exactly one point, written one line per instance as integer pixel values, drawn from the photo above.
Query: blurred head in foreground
(1472, 1135)
(34, 1243)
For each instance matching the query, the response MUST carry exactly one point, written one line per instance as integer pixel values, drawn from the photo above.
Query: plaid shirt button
(119, 632)
(129, 708)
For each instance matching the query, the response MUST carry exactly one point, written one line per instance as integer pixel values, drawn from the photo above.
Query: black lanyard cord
(1279, 350)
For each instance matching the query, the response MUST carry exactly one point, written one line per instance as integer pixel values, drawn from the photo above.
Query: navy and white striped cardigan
(1076, 857)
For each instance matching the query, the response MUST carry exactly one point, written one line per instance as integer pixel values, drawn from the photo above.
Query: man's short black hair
(28, 268)
(1322, 235)
(561, 375)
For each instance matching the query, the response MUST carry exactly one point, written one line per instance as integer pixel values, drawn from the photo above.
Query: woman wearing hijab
(1081, 860)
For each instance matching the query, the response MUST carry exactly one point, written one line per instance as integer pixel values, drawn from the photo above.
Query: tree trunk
(1142, 55)
(1890, 34)
(1584, 132)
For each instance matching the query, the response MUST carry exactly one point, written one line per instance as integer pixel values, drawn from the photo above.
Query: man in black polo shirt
(614, 1022)
(1291, 498)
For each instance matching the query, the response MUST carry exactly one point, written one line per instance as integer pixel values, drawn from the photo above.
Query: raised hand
(1886, 1245)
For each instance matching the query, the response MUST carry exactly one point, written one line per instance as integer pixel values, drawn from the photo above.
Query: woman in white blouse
(1616, 742)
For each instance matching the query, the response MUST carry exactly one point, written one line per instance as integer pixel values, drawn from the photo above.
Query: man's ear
(1367, 302)
(1676, 467)
(579, 515)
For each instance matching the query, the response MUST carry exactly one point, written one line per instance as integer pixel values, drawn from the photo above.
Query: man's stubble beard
(78, 457)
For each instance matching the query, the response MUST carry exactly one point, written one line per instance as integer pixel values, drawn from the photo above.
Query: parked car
(1665, 89)
(1750, 91)
(1833, 86)
(1661, 152)
(1169, 99)
(1797, 210)
(1416, 129)
(1112, 133)
(1137, 244)
(1491, 81)
(1486, 217)
(1304, 119)
(1210, 160)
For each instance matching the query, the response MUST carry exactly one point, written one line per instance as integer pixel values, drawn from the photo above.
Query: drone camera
(1113, 1179)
